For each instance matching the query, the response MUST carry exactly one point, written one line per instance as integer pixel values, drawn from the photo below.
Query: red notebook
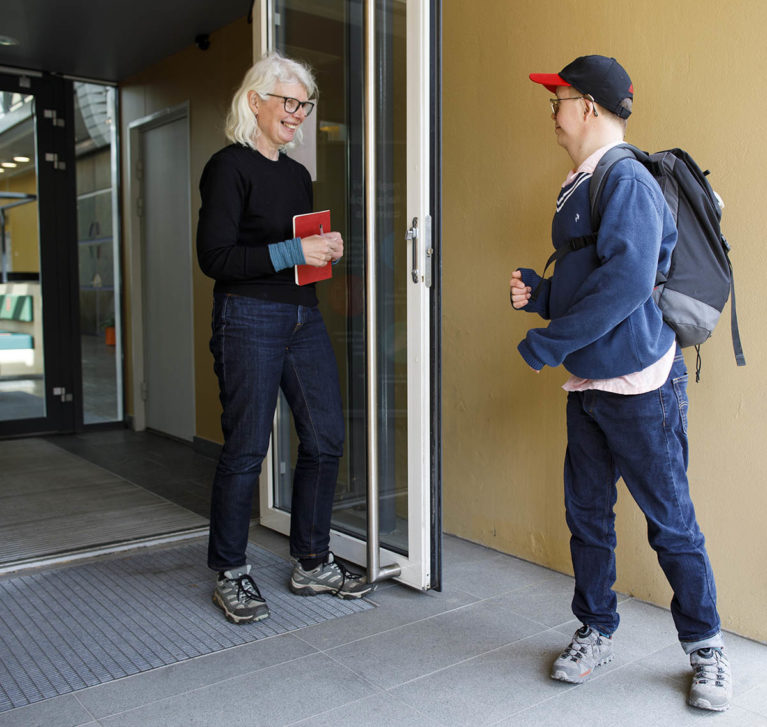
(313, 223)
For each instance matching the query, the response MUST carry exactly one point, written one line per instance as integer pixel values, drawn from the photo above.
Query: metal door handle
(412, 234)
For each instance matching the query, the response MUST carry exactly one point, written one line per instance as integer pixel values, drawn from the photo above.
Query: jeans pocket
(680, 390)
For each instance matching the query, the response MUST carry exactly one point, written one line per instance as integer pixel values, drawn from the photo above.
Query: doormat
(76, 627)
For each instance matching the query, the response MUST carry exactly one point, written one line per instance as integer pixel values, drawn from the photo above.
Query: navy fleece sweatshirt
(603, 320)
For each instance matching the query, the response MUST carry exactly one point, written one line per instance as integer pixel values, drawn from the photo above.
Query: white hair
(262, 77)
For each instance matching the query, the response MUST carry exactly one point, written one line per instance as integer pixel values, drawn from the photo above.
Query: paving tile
(397, 606)
(277, 543)
(493, 575)
(619, 698)
(397, 656)
(141, 689)
(63, 711)
(487, 688)
(272, 697)
(381, 710)
(457, 550)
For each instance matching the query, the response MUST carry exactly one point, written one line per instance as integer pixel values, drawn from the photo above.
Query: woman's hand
(321, 249)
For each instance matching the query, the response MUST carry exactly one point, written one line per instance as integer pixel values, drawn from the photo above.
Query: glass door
(369, 149)
(38, 390)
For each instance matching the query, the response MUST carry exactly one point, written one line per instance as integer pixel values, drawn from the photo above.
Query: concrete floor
(476, 654)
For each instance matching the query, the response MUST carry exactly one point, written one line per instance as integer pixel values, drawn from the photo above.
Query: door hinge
(427, 276)
(144, 391)
(53, 158)
(61, 392)
(53, 115)
(139, 206)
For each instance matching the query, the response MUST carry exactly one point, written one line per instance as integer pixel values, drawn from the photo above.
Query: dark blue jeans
(260, 347)
(642, 438)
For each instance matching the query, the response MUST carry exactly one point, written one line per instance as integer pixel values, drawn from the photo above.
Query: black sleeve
(223, 190)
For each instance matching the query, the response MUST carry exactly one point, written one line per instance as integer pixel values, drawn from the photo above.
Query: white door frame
(135, 257)
(413, 569)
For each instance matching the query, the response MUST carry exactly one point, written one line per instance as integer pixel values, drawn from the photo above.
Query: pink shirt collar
(590, 163)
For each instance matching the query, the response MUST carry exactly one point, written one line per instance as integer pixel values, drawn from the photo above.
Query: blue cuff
(532, 361)
(286, 254)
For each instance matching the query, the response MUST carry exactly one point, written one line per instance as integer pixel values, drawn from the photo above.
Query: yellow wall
(21, 224)
(207, 80)
(692, 63)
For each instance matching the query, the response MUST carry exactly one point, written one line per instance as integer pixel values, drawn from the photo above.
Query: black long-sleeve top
(248, 202)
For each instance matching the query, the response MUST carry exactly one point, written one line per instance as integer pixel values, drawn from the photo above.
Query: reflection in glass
(99, 271)
(329, 37)
(22, 374)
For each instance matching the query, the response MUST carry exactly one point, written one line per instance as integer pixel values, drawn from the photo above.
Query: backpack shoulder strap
(605, 164)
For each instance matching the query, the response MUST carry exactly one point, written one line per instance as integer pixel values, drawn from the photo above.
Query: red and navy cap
(601, 77)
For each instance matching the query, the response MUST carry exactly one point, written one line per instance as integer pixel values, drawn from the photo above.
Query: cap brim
(549, 80)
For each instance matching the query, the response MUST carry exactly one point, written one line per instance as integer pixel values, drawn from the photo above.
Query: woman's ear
(253, 101)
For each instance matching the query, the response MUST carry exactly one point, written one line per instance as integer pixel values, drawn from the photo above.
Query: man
(627, 401)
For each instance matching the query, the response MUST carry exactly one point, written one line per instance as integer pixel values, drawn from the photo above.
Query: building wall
(207, 80)
(21, 224)
(693, 64)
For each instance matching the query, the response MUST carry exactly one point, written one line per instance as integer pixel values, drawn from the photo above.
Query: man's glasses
(556, 101)
(292, 104)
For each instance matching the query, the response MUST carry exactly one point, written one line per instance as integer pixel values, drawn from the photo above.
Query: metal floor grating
(76, 627)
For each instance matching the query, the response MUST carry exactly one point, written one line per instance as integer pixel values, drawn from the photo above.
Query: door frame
(135, 256)
(57, 238)
(422, 567)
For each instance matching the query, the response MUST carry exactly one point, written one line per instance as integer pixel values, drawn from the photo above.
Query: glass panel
(98, 253)
(328, 35)
(22, 365)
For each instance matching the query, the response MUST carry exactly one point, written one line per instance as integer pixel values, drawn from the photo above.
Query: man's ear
(590, 98)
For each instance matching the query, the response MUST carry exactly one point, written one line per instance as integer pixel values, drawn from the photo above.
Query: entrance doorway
(38, 366)
(374, 161)
(59, 270)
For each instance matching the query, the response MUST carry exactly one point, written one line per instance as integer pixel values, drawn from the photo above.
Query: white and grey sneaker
(712, 681)
(237, 595)
(588, 650)
(329, 577)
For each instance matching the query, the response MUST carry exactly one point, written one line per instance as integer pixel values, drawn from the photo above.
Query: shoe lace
(711, 671)
(577, 649)
(247, 590)
(346, 575)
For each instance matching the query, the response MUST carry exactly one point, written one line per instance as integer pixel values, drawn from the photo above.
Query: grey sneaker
(237, 595)
(712, 681)
(329, 577)
(588, 650)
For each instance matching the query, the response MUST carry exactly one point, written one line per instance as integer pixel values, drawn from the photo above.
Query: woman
(268, 334)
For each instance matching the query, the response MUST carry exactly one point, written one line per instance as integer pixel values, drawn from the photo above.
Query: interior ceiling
(107, 40)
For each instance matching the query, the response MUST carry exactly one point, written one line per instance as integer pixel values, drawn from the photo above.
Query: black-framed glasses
(292, 104)
(556, 101)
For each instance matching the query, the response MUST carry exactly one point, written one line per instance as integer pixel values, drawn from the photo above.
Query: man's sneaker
(237, 595)
(329, 577)
(588, 650)
(712, 681)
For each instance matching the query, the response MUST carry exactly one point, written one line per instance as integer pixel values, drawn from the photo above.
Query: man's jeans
(642, 438)
(259, 347)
